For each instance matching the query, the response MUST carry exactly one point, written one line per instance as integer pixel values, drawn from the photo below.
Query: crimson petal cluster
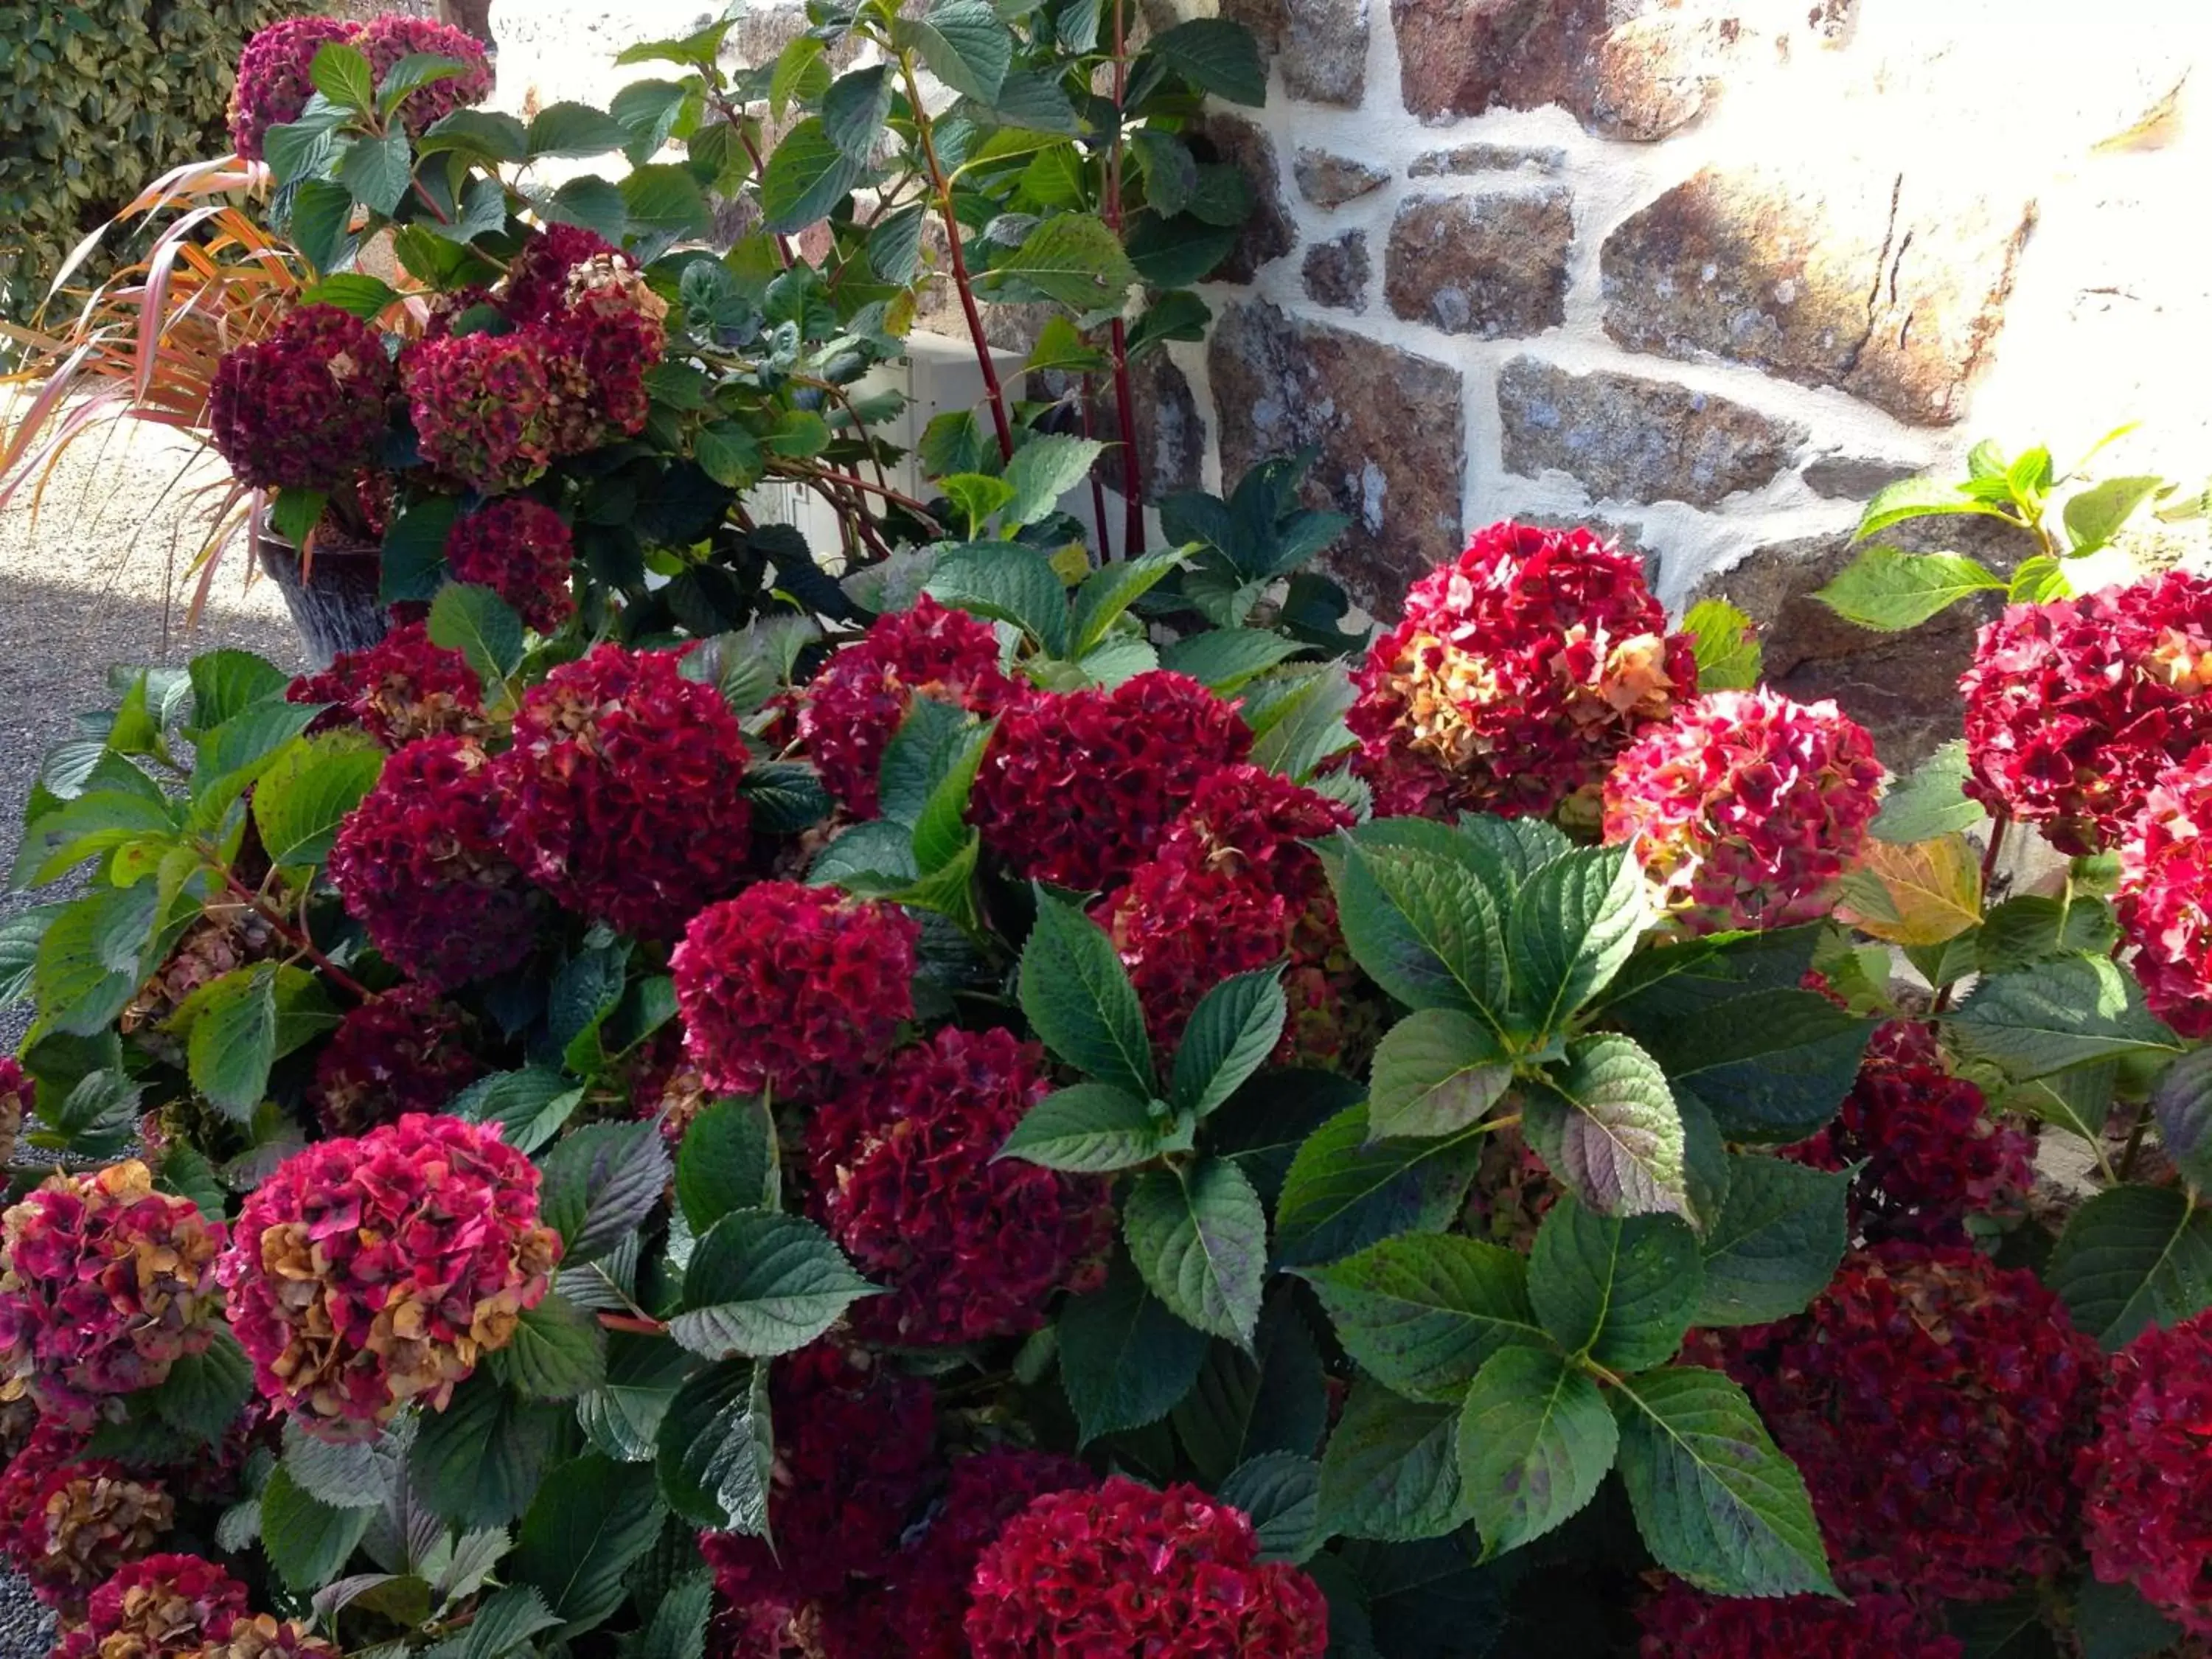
(384, 40)
(405, 1051)
(67, 1522)
(402, 688)
(304, 408)
(2166, 895)
(1680, 1623)
(273, 86)
(482, 408)
(522, 550)
(2147, 1480)
(165, 1607)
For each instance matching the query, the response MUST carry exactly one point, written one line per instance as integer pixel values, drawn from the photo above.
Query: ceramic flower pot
(333, 600)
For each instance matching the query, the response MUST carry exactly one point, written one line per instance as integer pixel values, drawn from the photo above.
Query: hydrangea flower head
(792, 988)
(2075, 707)
(2166, 895)
(904, 1178)
(1518, 671)
(273, 86)
(105, 1284)
(265, 1636)
(1681, 1623)
(522, 550)
(165, 1606)
(306, 407)
(2147, 1479)
(67, 1522)
(850, 711)
(419, 864)
(610, 329)
(1745, 808)
(367, 1273)
(403, 1052)
(402, 688)
(621, 791)
(1120, 1568)
(536, 286)
(1078, 787)
(481, 407)
(17, 1094)
(385, 40)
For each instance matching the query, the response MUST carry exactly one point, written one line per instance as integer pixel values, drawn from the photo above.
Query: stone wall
(1702, 272)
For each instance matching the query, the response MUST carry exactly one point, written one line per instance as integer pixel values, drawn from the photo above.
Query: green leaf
(1171, 171)
(1230, 1033)
(341, 73)
(592, 203)
(1422, 1314)
(1888, 591)
(557, 1352)
(480, 625)
(1006, 582)
(226, 683)
(679, 1629)
(306, 1539)
(575, 129)
(1107, 594)
(1092, 1128)
(2100, 513)
(1535, 1440)
(1224, 658)
(662, 199)
(1343, 1192)
(322, 218)
(2113, 1621)
(1573, 925)
(359, 1474)
(1727, 646)
(1060, 348)
(2182, 1099)
(1281, 1493)
(1776, 1243)
(1072, 257)
(1199, 1238)
(478, 1461)
(715, 1453)
(1918, 498)
(1391, 1469)
(1215, 56)
(378, 170)
(204, 1392)
(589, 1521)
(530, 1104)
(855, 109)
(2132, 1257)
(600, 1183)
(1606, 1123)
(1437, 1072)
(2030, 929)
(962, 42)
(234, 1040)
(2055, 1015)
(360, 295)
(623, 1415)
(807, 176)
(762, 1283)
(95, 822)
(1079, 1000)
(2038, 581)
(1425, 928)
(1773, 1064)
(940, 830)
(1044, 469)
(1297, 732)
(1932, 802)
(306, 792)
(503, 1622)
(1717, 1504)
(1125, 1360)
(492, 134)
(1274, 1399)
(1620, 1290)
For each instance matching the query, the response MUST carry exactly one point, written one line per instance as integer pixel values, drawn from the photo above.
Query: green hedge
(96, 98)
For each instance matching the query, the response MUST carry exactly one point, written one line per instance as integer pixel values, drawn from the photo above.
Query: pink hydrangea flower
(67, 1520)
(2166, 895)
(165, 1607)
(385, 40)
(400, 689)
(273, 88)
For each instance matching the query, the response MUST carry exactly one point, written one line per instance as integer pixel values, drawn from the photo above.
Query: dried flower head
(521, 549)
(367, 1273)
(2074, 707)
(1519, 671)
(792, 988)
(67, 1522)
(2166, 895)
(419, 864)
(481, 407)
(1745, 808)
(1122, 1569)
(165, 1607)
(622, 791)
(386, 39)
(307, 407)
(2147, 1479)
(1680, 1623)
(265, 1636)
(273, 88)
(403, 1052)
(400, 689)
(104, 1285)
(17, 1095)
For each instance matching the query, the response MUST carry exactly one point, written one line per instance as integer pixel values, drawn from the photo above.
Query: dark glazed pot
(335, 605)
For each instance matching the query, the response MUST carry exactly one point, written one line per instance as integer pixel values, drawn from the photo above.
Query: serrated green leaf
(1079, 1000)
(1216, 56)
(1534, 1441)
(1280, 1492)
(1422, 1314)
(557, 1352)
(1125, 1360)
(591, 1519)
(1224, 658)
(306, 1539)
(1887, 590)
(478, 1461)
(1391, 1469)
(2100, 513)
(1092, 1128)
(1776, 1242)
(1274, 1398)
(1199, 1238)
(1345, 1192)
(1773, 1064)
(2055, 1015)
(761, 1284)
(204, 1392)
(1107, 594)
(1044, 469)
(341, 73)
(1235, 1027)
(307, 791)
(715, 1452)
(480, 625)
(623, 1415)
(1437, 1072)
(1620, 1290)
(1006, 582)
(377, 169)
(962, 42)
(807, 176)
(1727, 646)
(1932, 802)
(1072, 257)
(2132, 1257)
(575, 129)
(1573, 925)
(1606, 1123)
(853, 111)
(1425, 927)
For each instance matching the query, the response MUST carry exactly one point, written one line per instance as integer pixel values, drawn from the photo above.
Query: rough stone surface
(1854, 478)
(1493, 265)
(1329, 180)
(1488, 158)
(1904, 687)
(1171, 432)
(1269, 234)
(1390, 427)
(1626, 69)
(1336, 272)
(1865, 280)
(1320, 45)
(1626, 439)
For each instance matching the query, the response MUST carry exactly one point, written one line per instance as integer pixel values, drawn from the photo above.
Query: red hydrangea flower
(386, 39)
(305, 408)
(1680, 1623)
(165, 1607)
(622, 791)
(599, 325)
(481, 407)
(17, 1094)
(263, 1637)
(850, 711)
(400, 689)
(1518, 671)
(522, 550)
(536, 283)
(1933, 1155)
(367, 1273)
(403, 1052)
(2166, 895)
(1745, 808)
(792, 988)
(2147, 1477)
(1123, 1569)
(67, 1522)
(419, 864)
(2074, 707)
(1078, 786)
(904, 1179)
(1934, 1403)
(1232, 888)
(854, 1453)
(273, 88)
(104, 1285)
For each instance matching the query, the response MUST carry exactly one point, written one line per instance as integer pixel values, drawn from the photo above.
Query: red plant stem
(298, 940)
(614, 1321)
(1125, 399)
(1097, 489)
(1999, 822)
(442, 217)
